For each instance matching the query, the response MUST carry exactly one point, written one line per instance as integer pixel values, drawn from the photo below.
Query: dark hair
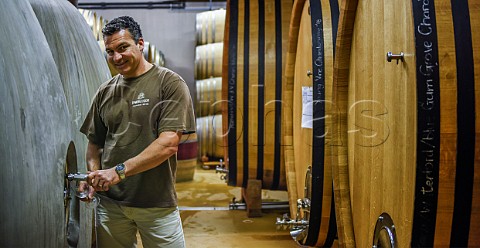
(123, 22)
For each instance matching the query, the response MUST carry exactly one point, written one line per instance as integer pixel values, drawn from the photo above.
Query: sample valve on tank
(299, 226)
(76, 176)
(70, 177)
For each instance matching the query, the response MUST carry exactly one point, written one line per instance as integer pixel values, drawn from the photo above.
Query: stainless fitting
(76, 177)
(286, 222)
(391, 56)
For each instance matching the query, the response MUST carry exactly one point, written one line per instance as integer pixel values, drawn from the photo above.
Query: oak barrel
(208, 60)
(159, 58)
(151, 56)
(89, 18)
(256, 34)
(98, 24)
(308, 89)
(147, 50)
(35, 132)
(209, 97)
(210, 138)
(408, 150)
(187, 157)
(210, 26)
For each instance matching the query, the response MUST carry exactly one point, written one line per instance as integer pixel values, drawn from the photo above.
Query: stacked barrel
(96, 23)
(208, 71)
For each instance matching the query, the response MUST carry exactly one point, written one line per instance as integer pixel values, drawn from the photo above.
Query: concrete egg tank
(35, 133)
(52, 66)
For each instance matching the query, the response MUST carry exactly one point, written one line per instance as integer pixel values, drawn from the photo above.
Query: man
(134, 126)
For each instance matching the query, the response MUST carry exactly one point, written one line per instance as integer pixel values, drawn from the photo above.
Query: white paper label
(307, 107)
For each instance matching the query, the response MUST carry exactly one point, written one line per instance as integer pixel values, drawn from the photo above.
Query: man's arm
(93, 156)
(157, 152)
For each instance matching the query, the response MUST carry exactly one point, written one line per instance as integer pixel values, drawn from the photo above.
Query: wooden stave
(342, 198)
(405, 222)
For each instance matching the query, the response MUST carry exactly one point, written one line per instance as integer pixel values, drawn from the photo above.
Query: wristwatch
(120, 169)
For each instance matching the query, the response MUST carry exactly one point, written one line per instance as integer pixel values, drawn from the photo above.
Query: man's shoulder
(107, 84)
(168, 74)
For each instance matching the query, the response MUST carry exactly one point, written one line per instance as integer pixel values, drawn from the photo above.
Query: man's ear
(141, 44)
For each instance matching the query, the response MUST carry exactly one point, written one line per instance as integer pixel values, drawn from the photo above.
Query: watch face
(120, 169)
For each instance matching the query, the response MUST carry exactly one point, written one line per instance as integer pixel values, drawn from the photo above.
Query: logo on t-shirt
(141, 101)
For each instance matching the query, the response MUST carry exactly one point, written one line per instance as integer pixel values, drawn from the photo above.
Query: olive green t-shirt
(125, 117)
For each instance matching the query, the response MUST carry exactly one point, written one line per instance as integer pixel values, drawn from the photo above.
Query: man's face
(123, 53)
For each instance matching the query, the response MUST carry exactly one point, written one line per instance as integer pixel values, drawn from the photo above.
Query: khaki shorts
(117, 226)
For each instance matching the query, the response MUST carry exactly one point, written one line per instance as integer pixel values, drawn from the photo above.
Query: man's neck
(143, 67)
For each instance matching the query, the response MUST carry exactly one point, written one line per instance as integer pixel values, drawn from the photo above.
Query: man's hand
(84, 187)
(101, 180)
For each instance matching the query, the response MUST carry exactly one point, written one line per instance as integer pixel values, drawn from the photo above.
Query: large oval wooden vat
(408, 129)
(35, 131)
(209, 97)
(256, 34)
(309, 80)
(208, 60)
(210, 26)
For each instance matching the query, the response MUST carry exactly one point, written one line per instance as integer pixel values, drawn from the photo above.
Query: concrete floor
(205, 227)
